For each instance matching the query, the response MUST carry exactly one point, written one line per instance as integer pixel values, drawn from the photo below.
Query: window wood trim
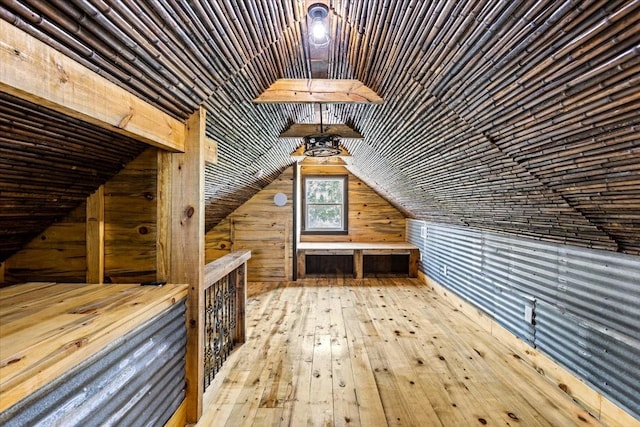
(345, 206)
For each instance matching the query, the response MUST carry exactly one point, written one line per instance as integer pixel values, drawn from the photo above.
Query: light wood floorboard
(375, 352)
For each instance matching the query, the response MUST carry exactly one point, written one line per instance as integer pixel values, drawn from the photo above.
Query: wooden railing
(225, 282)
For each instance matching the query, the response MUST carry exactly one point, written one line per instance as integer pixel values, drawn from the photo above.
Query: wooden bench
(357, 250)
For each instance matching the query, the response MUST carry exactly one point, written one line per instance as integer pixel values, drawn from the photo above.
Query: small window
(325, 205)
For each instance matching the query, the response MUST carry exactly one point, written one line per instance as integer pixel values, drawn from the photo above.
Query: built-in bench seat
(358, 250)
(58, 334)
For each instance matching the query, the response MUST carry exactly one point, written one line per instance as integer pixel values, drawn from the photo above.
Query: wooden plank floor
(375, 352)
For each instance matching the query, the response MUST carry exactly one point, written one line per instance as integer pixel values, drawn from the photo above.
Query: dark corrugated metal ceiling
(516, 116)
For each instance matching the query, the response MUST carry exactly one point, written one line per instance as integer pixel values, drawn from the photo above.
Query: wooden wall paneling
(130, 221)
(95, 236)
(262, 227)
(371, 217)
(266, 240)
(218, 241)
(38, 73)
(187, 250)
(58, 254)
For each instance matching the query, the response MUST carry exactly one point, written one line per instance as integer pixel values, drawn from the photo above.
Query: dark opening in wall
(392, 264)
(343, 264)
(329, 264)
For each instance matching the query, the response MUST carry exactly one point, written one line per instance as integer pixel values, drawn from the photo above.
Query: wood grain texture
(376, 352)
(211, 152)
(48, 328)
(187, 251)
(59, 253)
(95, 236)
(34, 71)
(163, 216)
(130, 221)
(344, 91)
(261, 227)
(357, 250)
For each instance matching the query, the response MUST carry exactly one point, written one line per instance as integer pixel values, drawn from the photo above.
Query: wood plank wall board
(57, 254)
(130, 221)
(262, 227)
(371, 217)
(218, 240)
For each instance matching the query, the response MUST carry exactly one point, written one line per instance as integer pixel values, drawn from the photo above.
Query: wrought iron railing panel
(221, 307)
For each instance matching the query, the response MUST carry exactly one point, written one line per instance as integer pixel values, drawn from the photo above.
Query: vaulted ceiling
(516, 116)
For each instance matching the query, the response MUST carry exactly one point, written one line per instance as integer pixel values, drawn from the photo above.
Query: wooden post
(241, 298)
(302, 261)
(187, 250)
(358, 265)
(2, 268)
(95, 236)
(163, 220)
(414, 257)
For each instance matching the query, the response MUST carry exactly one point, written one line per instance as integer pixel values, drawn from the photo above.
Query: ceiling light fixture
(321, 145)
(318, 31)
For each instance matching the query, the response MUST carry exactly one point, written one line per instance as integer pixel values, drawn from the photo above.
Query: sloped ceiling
(49, 164)
(515, 116)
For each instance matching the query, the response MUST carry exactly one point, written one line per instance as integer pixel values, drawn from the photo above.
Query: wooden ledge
(342, 91)
(219, 268)
(48, 328)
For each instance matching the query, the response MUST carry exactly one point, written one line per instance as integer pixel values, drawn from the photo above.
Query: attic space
(328, 165)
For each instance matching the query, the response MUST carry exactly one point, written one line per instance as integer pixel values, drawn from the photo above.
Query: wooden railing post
(241, 299)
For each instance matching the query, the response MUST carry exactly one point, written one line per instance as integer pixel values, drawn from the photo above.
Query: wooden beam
(358, 264)
(300, 130)
(95, 236)
(34, 71)
(299, 155)
(211, 152)
(187, 251)
(318, 90)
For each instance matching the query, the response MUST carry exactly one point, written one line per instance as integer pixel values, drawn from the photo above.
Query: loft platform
(49, 330)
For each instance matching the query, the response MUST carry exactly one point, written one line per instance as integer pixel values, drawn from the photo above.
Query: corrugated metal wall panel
(529, 266)
(416, 233)
(602, 287)
(608, 364)
(585, 301)
(137, 380)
